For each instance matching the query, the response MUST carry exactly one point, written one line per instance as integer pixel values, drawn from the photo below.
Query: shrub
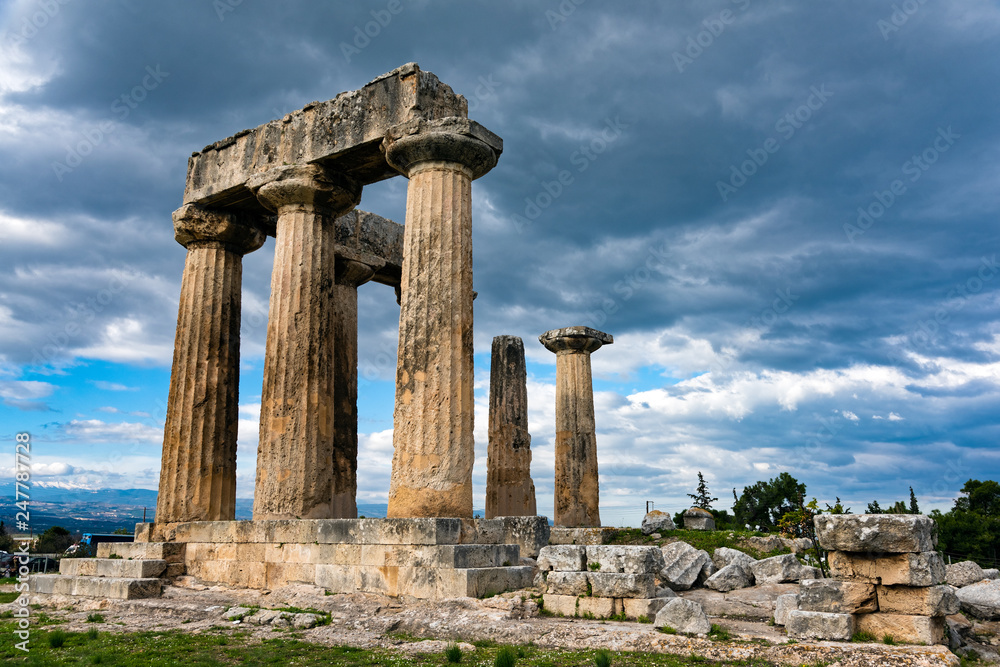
(57, 638)
(603, 658)
(453, 653)
(505, 657)
(95, 618)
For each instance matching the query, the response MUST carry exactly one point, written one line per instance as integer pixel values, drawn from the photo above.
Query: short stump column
(295, 473)
(198, 470)
(576, 485)
(432, 423)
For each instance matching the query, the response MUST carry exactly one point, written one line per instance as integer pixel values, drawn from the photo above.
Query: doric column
(432, 424)
(296, 449)
(576, 492)
(509, 489)
(349, 275)
(198, 471)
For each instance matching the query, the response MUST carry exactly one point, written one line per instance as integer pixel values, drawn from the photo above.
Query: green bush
(505, 657)
(57, 638)
(603, 658)
(453, 653)
(95, 618)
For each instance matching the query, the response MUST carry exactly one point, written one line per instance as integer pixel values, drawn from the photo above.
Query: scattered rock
(684, 616)
(982, 600)
(918, 601)
(819, 625)
(682, 565)
(697, 518)
(431, 646)
(783, 605)
(625, 559)
(236, 613)
(656, 521)
(779, 569)
(724, 556)
(730, 577)
(838, 597)
(882, 533)
(991, 573)
(964, 573)
(563, 558)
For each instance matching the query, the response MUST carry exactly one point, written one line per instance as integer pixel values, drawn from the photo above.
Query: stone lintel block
(560, 605)
(625, 559)
(918, 601)
(112, 567)
(909, 569)
(172, 552)
(615, 585)
(599, 607)
(876, 533)
(903, 628)
(583, 536)
(345, 133)
(428, 531)
(635, 608)
(838, 597)
(819, 625)
(563, 558)
(566, 583)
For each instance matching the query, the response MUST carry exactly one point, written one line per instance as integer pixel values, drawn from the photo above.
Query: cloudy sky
(785, 212)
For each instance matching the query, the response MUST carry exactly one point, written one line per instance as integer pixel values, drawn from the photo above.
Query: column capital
(195, 225)
(305, 187)
(575, 340)
(349, 271)
(419, 144)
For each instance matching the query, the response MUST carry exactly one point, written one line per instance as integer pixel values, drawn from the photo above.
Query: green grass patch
(719, 633)
(95, 618)
(889, 639)
(9, 597)
(864, 638)
(505, 657)
(602, 658)
(453, 654)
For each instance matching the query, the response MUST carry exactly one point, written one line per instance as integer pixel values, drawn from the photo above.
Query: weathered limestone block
(560, 605)
(730, 577)
(698, 519)
(657, 522)
(598, 607)
(778, 569)
(116, 588)
(576, 477)
(991, 573)
(783, 605)
(171, 552)
(756, 602)
(819, 625)
(903, 628)
(584, 536)
(198, 468)
(837, 597)
(615, 585)
(638, 607)
(509, 488)
(433, 419)
(684, 616)
(627, 559)
(981, 600)
(563, 558)
(910, 569)
(683, 565)
(918, 601)
(882, 533)
(566, 583)
(724, 556)
(964, 573)
(530, 533)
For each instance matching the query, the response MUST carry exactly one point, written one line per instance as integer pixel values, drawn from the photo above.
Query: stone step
(117, 588)
(423, 582)
(172, 552)
(112, 567)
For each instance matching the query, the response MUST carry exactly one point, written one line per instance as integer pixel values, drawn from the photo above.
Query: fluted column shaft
(296, 449)
(433, 419)
(198, 469)
(350, 275)
(577, 493)
(509, 488)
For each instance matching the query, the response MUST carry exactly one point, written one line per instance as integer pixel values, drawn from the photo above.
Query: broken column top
(583, 339)
(876, 533)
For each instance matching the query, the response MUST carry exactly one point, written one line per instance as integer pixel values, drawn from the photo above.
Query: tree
(914, 508)
(874, 508)
(55, 540)
(971, 530)
(702, 498)
(763, 504)
(982, 497)
(6, 541)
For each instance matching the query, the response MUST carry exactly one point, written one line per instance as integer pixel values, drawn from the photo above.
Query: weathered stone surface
(838, 597)
(112, 567)
(911, 569)
(783, 605)
(964, 573)
(627, 559)
(730, 577)
(198, 468)
(779, 569)
(656, 522)
(684, 616)
(981, 600)
(433, 422)
(682, 565)
(724, 556)
(94, 587)
(585, 536)
(615, 585)
(598, 607)
(918, 601)
(509, 488)
(882, 533)
(636, 608)
(171, 552)
(698, 519)
(756, 602)
(563, 558)
(991, 573)
(372, 240)
(576, 477)
(529, 533)
(566, 583)
(819, 625)
(903, 628)
(560, 605)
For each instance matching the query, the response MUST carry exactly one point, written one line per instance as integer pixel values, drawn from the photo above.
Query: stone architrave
(198, 471)
(576, 480)
(433, 419)
(295, 455)
(509, 488)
